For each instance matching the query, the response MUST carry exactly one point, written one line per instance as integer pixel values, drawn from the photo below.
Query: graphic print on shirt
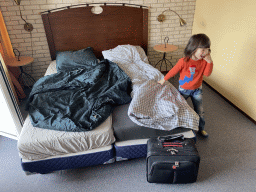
(186, 79)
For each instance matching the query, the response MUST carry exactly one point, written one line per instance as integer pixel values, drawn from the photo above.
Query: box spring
(103, 155)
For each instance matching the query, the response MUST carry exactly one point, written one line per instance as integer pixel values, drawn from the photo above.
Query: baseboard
(247, 116)
(8, 135)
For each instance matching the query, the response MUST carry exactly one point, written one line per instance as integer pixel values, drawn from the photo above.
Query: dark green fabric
(69, 60)
(78, 100)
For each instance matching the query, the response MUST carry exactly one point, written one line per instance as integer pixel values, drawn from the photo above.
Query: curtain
(6, 51)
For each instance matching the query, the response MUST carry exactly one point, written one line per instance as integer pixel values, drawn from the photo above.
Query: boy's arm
(208, 69)
(174, 70)
(209, 65)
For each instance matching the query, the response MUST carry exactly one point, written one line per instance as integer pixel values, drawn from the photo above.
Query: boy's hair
(196, 41)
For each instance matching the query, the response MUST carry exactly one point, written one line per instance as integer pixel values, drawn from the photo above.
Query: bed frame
(74, 28)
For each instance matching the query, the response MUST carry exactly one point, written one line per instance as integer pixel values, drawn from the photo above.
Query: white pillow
(125, 54)
(142, 54)
(51, 69)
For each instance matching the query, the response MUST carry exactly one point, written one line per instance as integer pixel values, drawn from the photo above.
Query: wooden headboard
(76, 27)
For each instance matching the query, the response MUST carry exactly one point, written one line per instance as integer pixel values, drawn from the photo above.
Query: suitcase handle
(171, 137)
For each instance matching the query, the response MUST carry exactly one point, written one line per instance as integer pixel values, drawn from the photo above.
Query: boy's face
(200, 53)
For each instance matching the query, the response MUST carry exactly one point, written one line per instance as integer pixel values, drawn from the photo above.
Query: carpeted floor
(228, 162)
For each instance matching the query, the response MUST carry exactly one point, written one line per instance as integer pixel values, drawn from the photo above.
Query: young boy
(196, 63)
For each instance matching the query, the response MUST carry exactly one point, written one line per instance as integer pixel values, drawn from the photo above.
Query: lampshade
(17, 2)
(182, 22)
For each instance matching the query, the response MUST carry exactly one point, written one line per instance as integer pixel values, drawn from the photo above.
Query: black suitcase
(172, 159)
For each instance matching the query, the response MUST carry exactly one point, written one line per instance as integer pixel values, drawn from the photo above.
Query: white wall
(231, 26)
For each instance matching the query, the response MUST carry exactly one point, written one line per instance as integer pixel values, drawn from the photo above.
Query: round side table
(164, 48)
(23, 77)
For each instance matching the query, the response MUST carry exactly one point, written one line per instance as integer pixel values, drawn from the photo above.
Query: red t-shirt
(191, 72)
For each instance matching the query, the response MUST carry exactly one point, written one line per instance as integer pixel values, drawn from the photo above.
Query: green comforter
(78, 100)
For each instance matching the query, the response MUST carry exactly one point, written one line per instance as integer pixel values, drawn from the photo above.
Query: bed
(117, 38)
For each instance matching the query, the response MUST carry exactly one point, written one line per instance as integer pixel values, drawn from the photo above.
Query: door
(11, 120)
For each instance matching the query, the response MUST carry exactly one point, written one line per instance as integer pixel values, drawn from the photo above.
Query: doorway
(10, 115)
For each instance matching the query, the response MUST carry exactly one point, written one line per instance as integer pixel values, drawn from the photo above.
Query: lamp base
(161, 18)
(28, 27)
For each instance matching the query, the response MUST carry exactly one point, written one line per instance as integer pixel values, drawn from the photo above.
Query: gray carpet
(228, 162)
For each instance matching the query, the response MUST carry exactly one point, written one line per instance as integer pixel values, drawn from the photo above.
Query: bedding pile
(80, 97)
(78, 100)
(152, 105)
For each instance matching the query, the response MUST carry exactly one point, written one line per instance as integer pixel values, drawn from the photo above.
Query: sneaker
(203, 133)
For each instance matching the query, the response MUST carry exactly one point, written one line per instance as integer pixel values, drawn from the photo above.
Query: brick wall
(35, 44)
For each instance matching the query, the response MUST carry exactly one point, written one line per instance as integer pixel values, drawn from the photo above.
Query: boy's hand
(208, 58)
(162, 81)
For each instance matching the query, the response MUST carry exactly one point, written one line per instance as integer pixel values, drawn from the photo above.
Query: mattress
(125, 129)
(36, 143)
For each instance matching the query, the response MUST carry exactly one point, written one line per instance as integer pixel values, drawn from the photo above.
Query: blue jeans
(197, 100)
